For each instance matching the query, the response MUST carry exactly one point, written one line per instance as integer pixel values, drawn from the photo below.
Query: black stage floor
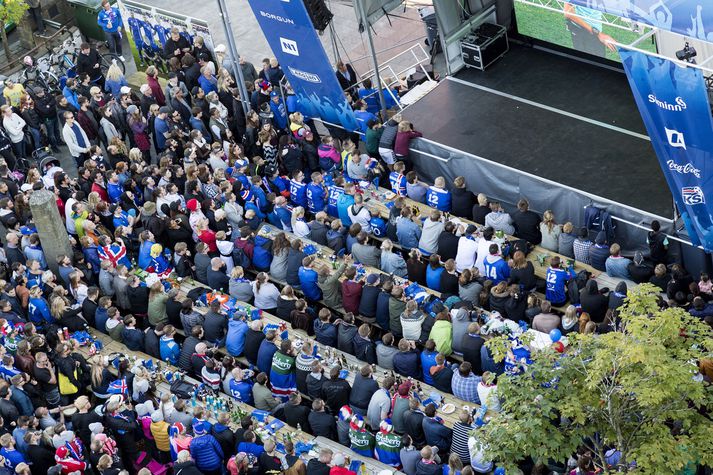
(552, 116)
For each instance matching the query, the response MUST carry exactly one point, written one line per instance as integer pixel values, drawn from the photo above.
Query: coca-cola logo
(684, 169)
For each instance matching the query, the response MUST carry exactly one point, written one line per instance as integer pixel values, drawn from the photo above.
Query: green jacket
(157, 310)
(396, 308)
(330, 286)
(442, 334)
(372, 140)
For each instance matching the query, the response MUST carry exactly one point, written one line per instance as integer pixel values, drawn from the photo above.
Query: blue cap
(274, 94)
(199, 428)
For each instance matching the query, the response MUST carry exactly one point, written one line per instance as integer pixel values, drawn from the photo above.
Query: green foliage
(12, 11)
(633, 389)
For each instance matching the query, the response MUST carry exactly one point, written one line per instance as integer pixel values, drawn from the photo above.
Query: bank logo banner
(294, 42)
(680, 126)
(693, 18)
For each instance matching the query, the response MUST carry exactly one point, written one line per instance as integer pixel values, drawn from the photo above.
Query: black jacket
(171, 46)
(89, 309)
(527, 226)
(447, 245)
(345, 337)
(187, 350)
(86, 64)
(367, 304)
(315, 467)
(294, 261)
(594, 303)
(253, 339)
(413, 420)
(335, 393)
(462, 201)
(362, 391)
(215, 325)
(471, 351)
(442, 380)
(139, 297)
(297, 415)
(217, 280)
(186, 468)
(314, 386)
(323, 424)
(364, 350)
(46, 106)
(152, 343)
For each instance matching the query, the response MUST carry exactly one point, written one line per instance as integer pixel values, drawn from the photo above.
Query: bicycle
(66, 59)
(39, 74)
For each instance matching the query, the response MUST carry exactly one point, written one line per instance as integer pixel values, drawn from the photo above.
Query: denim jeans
(52, 125)
(114, 40)
(36, 139)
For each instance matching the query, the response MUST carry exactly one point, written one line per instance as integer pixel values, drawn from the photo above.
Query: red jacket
(340, 471)
(402, 141)
(156, 90)
(101, 191)
(208, 237)
(351, 295)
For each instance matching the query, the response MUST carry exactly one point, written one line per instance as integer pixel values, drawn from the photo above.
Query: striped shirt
(459, 444)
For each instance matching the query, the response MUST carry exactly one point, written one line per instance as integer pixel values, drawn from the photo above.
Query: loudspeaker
(318, 13)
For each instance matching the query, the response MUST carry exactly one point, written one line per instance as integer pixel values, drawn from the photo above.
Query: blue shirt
(343, 203)
(556, 282)
(465, 388)
(113, 16)
(496, 270)
(316, 197)
(363, 118)
(428, 359)
(235, 340)
(398, 183)
(279, 114)
(298, 193)
(308, 282)
(114, 190)
(334, 193)
(161, 127)
(438, 198)
(208, 85)
(242, 391)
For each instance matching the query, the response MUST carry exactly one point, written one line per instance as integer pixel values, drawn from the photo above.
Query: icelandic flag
(118, 386)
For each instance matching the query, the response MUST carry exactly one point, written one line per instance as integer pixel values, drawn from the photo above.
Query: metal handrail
(18, 61)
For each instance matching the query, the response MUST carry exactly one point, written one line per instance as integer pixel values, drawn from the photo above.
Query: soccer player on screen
(585, 25)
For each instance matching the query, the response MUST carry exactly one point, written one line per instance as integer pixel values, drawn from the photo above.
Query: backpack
(196, 293)
(598, 219)
(262, 253)
(183, 389)
(240, 258)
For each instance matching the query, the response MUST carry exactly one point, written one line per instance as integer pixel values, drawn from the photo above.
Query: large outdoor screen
(577, 27)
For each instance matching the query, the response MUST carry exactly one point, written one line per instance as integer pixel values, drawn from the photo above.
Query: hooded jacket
(460, 319)
(498, 301)
(442, 334)
(599, 252)
(207, 453)
(616, 298)
(345, 336)
(592, 302)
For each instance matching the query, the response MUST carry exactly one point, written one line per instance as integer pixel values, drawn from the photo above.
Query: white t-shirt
(465, 257)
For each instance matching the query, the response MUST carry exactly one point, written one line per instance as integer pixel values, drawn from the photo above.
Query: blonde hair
(297, 212)
(404, 126)
(237, 272)
(548, 218)
(114, 73)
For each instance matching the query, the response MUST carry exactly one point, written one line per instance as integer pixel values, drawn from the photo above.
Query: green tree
(637, 389)
(11, 11)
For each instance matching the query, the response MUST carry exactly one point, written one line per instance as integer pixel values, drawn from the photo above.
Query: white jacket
(225, 248)
(465, 256)
(71, 140)
(14, 126)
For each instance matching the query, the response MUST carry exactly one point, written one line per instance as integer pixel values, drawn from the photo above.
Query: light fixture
(687, 54)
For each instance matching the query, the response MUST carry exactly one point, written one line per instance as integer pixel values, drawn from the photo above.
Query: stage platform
(554, 117)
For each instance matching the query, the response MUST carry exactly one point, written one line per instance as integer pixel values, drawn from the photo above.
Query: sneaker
(122, 59)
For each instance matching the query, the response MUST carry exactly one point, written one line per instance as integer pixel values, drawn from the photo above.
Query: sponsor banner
(149, 27)
(692, 18)
(673, 102)
(294, 42)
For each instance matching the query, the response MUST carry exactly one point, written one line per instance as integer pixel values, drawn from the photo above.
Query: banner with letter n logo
(294, 42)
(673, 102)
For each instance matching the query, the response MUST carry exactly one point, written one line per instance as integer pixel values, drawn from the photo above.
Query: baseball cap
(125, 90)
(372, 279)
(274, 94)
(164, 110)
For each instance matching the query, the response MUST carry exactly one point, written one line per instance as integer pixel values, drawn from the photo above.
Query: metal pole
(374, 62)
(237, 70)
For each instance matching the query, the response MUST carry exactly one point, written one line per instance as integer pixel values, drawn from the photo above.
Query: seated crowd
(183, 186)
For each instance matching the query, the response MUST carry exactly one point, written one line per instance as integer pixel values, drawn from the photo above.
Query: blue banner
(673, 102)
(294, 41)
(693, 18)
